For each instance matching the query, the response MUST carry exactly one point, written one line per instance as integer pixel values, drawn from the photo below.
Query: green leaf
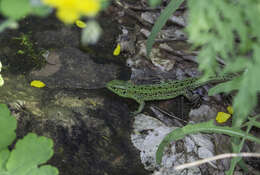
(44, 170)
(255, 123)
(41, 11)
(28, 153)
(240, 64)
(4, 155)
(205, 127)
(7, 127)
(246, 98)
(226, 86)
(15, 9)
(252, 122)
(207, 59)
(199, 23)
(229, 30)
(167, 12)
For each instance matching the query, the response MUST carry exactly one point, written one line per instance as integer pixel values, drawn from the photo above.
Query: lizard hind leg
(140, 107)
(193, 98)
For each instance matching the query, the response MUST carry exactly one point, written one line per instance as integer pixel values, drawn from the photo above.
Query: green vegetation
(229, 30)
(69, 12)
(205, 127)
(221, 29)
(27, 54)
(167, 13)
(15, 10)
(29, 152)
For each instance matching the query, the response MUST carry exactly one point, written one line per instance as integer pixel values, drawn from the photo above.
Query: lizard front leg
(140, 108)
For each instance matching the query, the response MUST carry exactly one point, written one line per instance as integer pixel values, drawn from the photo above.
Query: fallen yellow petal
(80, 24)
(222, 117)
(230, 110)
(37, 84)
(117, 50)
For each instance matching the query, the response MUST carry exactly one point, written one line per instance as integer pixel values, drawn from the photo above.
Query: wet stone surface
(65, 36)
(90, 128)
(71, 68)
(90, 132)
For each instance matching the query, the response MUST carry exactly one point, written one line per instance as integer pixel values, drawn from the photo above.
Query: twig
(132, 13)
(167, 113)
(221, 156)
(133, 7)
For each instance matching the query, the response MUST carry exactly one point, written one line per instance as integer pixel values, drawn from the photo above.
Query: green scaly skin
(162, 91)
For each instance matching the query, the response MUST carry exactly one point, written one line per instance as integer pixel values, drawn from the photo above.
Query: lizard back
(162, 91)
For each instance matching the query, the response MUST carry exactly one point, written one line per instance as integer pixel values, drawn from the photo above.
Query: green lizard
(162, 91)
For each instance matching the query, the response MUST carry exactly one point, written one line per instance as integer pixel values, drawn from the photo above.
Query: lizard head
(119, 87)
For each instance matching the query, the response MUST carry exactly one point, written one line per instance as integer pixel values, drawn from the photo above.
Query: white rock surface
(147, 135)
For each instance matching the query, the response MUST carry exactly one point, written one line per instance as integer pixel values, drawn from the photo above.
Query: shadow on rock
(91, 135)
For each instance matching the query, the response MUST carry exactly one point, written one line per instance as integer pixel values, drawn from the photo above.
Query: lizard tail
(224, 77)
(217, 79)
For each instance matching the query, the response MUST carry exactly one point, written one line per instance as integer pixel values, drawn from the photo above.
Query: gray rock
(64, 37)
(148, 134)
(71, 68)
(203, 113)
(90, 130)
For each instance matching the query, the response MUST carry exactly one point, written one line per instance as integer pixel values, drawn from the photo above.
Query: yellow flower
(69, 11)
(222, 117)
(117, 50)
(230, 110)
(37, 84)
(58, 3)
(67, 16)
(80, 24)
(89, 7)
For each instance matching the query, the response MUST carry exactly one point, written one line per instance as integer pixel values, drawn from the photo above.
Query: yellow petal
(222, 117)
(68, 16)
(89, 7)
(80, 24)
(117, 50)
(230, 110)
(60, 3)
(37, 84)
